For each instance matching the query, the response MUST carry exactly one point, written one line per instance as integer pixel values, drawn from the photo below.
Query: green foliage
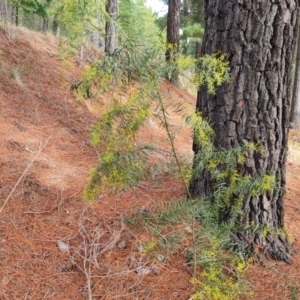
(123, 68)
(138, 23)
(193, 30)
(294, 291)
(140, 71)
(14, 73)
(213, 71)
(191, 34)
(93, 189)
(214, 285)
(161, 23)
(223, 272)
(212, 250)
(149, 247)
(191, 24)
(186, 63)
(31, 6)
(122, 164)
(230, 188)
(78, 18)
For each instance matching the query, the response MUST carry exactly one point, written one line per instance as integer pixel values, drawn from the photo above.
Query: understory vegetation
(124, 161)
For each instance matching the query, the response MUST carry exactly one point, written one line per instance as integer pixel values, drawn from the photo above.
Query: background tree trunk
(173, 27)
(6, 11)
(110, 27)
(55, 26)
(185, 21)
(186, 8)
(259, 40)
(45, 24)
(198, 50)
(295, 110)
(16, 15)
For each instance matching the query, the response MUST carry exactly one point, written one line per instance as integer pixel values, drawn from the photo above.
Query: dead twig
(97, 239)
(24, 173)
(46, 294)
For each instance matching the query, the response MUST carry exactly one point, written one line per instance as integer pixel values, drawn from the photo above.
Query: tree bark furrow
(259, 40)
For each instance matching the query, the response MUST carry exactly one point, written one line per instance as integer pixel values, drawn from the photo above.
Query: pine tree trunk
(295, 110)
(186, 8)
(186, 22)
(2, 11)
(16, 15)
(198, 50)
(173, 26)
(55, 26)
(110, 27)
(259, 40)
(45, 25)
(200, 11)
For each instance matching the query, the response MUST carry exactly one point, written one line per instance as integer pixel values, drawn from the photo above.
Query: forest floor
(45, 158)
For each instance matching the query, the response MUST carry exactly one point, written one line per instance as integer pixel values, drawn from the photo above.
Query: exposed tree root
(273, 246)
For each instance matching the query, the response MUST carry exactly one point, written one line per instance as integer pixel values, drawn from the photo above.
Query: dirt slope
(46, 206)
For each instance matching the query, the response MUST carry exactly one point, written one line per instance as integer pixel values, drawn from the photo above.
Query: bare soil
(45, 211)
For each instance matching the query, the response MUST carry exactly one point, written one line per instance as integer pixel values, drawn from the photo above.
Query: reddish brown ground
(46, 206)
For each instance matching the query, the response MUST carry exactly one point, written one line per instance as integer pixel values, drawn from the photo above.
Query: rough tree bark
(173, 26)
(295, 109)
(259, 39)
(110, 27)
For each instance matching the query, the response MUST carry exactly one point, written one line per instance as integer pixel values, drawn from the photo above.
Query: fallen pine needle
(24, 173)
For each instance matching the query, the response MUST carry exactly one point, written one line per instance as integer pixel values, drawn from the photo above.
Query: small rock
(62, 246)
(155, 269)
(188, 229)
(160, 257)
(140, 249)
(132, 264)
(143, 271)
(122, 245)
(127, 236)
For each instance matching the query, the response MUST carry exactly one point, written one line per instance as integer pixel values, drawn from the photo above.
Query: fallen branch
(24, 173)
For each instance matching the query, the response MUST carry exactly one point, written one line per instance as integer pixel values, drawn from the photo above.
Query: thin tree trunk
(7, 13)
(16, 15)
(259, 40)
(33, 18)
(186, 22)
(110, 27)
(45, 25)
(186, 7)
(55, 27)
(201, 11)
(173, 26)
(2, 11)
(198, 50)
(295, 110)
